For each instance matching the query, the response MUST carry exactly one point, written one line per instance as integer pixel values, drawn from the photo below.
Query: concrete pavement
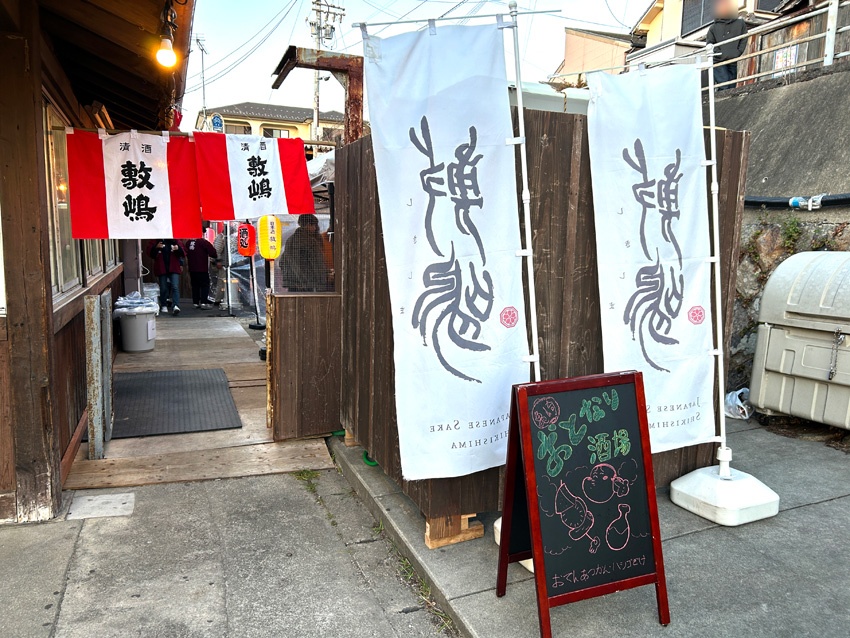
(263, 556)
(788, 576)
(287, 555)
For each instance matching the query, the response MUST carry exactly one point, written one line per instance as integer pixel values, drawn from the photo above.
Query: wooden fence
(566, 286)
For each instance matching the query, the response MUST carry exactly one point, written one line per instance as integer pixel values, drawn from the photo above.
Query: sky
(245, 41)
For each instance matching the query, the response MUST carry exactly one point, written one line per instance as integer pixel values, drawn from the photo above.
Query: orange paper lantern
(247, 244)
(268, 229)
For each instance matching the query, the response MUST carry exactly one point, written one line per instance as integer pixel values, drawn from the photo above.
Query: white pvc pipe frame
(724, 454)
(528, 251)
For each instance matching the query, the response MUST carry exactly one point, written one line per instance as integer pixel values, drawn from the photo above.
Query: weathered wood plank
(73, 447)
(342, 246)
(94, 377)
(319, 366)
(7, 442)
(200, 465)
(8, 509)
(305, 370)
(27, 271)
(285, 370)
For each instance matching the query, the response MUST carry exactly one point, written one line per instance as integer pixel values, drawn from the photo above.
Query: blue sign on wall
(217, 123)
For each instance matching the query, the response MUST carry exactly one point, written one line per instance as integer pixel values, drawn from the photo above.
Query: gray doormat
(172, 402)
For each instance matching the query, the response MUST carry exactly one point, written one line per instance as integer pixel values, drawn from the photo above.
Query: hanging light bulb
(165, 55)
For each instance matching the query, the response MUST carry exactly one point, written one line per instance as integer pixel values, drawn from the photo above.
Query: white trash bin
(802, 360)
(138, 331)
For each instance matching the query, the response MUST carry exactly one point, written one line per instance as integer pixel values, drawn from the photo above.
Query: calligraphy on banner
(250, 176)
(447, 187)
(446, 299)
(652, 239)
(132, 186)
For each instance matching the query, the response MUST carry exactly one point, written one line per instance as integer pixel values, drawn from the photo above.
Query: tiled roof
(274, 112)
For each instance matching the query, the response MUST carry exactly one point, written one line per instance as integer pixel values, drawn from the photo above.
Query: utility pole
(200, 42)
(322, 29)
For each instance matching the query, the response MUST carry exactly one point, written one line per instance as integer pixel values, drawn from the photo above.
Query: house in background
(678, 27)
(587, 50)
(786, 36)
(274, 120)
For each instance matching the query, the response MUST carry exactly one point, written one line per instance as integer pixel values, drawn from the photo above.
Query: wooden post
(94, 376)
(27, 270)
(350, 441)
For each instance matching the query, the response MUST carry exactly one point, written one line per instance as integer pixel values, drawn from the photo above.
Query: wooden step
(201, 465)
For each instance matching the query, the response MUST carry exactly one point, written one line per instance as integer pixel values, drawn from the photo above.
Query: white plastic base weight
(733, 500)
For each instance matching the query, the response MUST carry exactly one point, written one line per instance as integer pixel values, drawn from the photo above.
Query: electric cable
(233, 65)
(263, 28)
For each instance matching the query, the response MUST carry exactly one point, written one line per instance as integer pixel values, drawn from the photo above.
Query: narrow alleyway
(194, 341)
(282, 555)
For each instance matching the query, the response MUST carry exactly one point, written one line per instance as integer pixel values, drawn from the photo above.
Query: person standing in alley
(222, 262)
(303, 261)
(199, 252)
(167, 255)
(727, 25)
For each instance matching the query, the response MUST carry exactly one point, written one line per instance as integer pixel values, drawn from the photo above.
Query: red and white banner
(132, 186)
(249, 176)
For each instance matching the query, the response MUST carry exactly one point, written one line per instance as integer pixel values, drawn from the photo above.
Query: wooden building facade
(64, 63)
(568, 313)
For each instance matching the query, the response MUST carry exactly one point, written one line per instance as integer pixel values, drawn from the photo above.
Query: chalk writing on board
(586, 576)
(545, 413)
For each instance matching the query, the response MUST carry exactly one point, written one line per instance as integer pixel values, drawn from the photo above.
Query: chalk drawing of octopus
(603, 483)
(574, 514)
(618, 533)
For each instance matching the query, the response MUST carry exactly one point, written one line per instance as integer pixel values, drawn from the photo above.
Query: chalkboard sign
(579, 492)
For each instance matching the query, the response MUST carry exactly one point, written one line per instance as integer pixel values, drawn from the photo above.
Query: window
(237, 128)
(768, 5)
(110, 247)
(94, 257)
(270, 131)
(64, 250)
(306, 263)
(696, 14)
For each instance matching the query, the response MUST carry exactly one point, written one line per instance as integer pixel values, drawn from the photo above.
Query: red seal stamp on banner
(509, 317)
(696, 315)
(545, 412)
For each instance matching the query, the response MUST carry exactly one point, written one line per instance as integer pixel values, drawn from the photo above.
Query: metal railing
(829, 36)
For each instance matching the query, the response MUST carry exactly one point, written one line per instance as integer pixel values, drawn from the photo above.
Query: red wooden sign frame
(520, 470)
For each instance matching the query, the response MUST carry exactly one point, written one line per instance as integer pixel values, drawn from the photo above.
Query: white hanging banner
(438, 102)
(652, 241)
